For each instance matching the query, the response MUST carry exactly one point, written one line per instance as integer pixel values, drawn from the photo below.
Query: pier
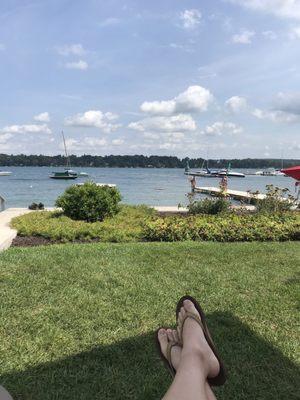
(234, 194)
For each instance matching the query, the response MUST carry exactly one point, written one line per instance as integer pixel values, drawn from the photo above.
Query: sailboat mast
(66, 153)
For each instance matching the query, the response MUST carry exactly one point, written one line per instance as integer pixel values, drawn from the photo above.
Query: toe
(175, 336)
(183, 312)
(189, 307)
(170, 335)
(163, 340)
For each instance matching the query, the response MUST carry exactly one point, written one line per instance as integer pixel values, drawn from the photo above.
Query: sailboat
(209, 173)
(68, 173)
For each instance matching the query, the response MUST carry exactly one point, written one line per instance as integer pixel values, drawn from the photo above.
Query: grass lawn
(77, 321)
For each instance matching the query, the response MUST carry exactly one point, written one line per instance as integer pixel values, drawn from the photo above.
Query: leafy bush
(274, 203)
(225, 228)
(209, 206)
(89, 202)
(126, 226)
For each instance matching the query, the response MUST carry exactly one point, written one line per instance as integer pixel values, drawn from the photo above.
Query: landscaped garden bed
(92, 213)
(125, 226)
(140, 223)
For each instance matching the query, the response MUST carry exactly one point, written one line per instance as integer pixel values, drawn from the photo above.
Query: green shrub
(273, 202)
(209, 206)
(225, 228)
(89, 202)
(126, 226)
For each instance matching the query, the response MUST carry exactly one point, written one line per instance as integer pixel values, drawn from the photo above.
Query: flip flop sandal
(166, 359)
(220, 379)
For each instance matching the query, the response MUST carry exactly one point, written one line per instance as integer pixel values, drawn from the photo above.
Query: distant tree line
(139, 161)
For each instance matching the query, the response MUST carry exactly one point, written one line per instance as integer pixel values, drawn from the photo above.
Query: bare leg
(197, 362)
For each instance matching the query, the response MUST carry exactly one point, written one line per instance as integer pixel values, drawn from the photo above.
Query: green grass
(77, 321)
(126, 226)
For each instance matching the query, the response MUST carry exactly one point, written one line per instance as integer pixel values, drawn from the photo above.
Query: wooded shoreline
(139, 161)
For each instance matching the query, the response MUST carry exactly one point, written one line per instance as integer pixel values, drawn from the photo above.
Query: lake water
(137, 185)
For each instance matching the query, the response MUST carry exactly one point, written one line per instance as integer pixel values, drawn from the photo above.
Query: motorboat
(232, 174)
(5, 173)
(67, 174)
(270, 172)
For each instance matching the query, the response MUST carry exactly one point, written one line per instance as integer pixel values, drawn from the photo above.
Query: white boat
(83, 174)
(5, 173)
(232, 174)
(270, 172)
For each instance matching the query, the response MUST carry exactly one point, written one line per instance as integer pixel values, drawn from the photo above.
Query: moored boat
(67, 174)
(270, 172)
(232, 174)
(5, 173)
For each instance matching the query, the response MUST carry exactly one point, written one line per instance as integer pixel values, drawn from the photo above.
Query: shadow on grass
(130, 369)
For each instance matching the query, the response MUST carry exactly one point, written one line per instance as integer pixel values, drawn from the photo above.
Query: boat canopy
(293, 172)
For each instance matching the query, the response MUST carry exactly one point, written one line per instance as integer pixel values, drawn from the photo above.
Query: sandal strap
(188, 315)
(168, 356)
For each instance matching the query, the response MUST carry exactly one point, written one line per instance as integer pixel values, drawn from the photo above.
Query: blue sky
(216, 78)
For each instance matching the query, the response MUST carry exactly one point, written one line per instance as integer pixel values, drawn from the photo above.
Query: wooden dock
(234, 194)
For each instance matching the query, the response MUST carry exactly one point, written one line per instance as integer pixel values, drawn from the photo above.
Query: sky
(195, 78)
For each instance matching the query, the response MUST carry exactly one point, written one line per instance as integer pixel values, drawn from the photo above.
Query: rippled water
(137, 185)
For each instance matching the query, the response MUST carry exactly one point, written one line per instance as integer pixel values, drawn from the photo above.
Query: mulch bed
(30, 241)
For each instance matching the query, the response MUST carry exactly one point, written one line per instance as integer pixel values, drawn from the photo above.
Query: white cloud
(194, 99)
(94, 119)
(190, 18)
(92, 141)
(42, 117)
(275, 115)
(23, 129)
(82, 65)
(236, 104)
(175, 137)
(270, 35)
(5, 137)
(165, 107)
(184, 47)
(280, 8)
(151, 136)
(174, 123)
(295, 32)
(288, 102)
(110, 21)
(71, 50)
(117, 142)
(221, 128)
(244, 37)
(87, 143)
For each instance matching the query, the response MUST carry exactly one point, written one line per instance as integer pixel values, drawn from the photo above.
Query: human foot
(193, 339)
(166, 336)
